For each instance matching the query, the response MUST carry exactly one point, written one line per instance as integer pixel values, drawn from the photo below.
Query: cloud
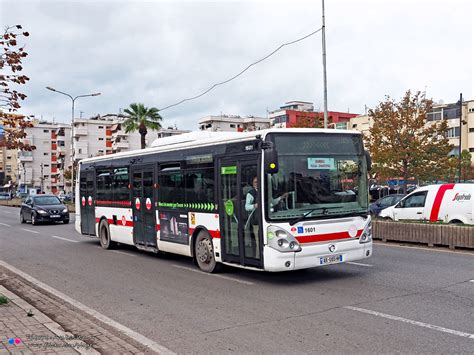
(161, 52)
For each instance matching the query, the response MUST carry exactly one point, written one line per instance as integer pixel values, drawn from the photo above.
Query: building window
(101, 127)
(79, 150)
(101, 139)
(434, 115)
(471, 110)
(451, 112)
(354, 125)
(471, 150)
(453, 132)
(61, 143)
(471, 130)
(45, 130)
(45, 154)
(232, 125)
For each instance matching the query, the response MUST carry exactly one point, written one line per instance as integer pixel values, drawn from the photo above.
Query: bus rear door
(143, 206)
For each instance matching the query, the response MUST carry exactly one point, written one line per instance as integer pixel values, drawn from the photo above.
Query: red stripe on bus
(213, 234)
(437, 201)
(119, 222)
(325, 237)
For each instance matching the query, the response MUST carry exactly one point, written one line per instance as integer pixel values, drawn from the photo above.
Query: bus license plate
(55, 216)
(331, 259)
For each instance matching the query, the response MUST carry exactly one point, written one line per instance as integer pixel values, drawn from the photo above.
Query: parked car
(5, 196)
(65, 197)
(43, 208)
(451, 203)
(384, 202)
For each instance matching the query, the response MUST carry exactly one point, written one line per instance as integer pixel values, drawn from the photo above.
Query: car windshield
(319, 174)
(47, 200)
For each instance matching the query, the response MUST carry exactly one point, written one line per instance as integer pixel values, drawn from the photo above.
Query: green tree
(11, 59)
(466, 165)
(141, 118)
(403, 144)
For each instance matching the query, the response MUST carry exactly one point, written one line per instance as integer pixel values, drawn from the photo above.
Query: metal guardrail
(452, 236)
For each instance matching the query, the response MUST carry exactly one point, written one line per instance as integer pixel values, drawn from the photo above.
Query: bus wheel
(104, 235)
(204, 253)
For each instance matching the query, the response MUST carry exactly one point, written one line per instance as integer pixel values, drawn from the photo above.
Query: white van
(451, 203)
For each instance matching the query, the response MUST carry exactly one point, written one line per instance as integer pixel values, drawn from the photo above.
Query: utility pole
(42, 178)
(460, 137)
(324, 72)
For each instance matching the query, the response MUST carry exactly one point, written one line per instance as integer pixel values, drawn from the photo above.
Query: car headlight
(40, 211)
(281, 240)
(366, 236)
(65, 210)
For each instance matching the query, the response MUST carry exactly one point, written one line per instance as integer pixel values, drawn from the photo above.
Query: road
(408, 300)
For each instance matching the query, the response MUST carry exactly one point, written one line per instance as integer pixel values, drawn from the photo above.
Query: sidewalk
(36, 321)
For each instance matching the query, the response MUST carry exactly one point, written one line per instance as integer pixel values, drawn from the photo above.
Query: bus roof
(206, 138)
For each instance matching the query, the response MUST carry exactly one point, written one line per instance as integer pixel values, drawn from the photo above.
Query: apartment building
(8, 166)
(450, 112)
(288, 115)
(233, 123)
(43, 168)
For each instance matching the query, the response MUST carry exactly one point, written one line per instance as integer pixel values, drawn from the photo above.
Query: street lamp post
(460, 136)
(73, 153)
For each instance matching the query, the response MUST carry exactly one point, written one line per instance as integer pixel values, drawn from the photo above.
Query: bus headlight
(366, 236)
(281, 240)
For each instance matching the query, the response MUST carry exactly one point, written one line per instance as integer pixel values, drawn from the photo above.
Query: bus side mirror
(270, 158)
(368, 158)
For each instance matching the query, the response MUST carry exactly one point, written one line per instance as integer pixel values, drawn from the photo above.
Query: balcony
(80, 132)
(120, 145)
(25, 157)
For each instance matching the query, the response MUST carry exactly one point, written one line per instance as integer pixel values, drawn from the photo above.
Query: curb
(104, 319)
(54, 327)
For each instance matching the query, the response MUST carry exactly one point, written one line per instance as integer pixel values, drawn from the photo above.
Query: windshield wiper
(325, 211)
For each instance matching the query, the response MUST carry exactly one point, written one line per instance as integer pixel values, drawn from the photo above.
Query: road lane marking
(121, 252)
(160, 349)
(7, 212)
(4, 224)
(413, 322)
(216, 275)
(68, 240)
(29, 230)
(471, 280)
(423, 248)
(360, 264)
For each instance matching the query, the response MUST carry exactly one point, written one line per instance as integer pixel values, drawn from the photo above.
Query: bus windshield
(320, 175)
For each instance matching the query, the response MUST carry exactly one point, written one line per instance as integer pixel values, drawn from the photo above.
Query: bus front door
(240, 226)
(143, 206)
(86, 192)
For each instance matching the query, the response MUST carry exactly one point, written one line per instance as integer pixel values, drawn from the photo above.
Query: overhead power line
(242, 71)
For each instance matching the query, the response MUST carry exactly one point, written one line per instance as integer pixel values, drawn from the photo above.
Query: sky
(161, 52)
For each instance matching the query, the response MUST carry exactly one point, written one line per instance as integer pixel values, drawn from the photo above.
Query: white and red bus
(273, 200)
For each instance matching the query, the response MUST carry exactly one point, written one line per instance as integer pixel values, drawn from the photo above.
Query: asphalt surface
(403, 299)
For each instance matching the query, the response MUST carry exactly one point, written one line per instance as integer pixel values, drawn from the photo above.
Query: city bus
(271, 200)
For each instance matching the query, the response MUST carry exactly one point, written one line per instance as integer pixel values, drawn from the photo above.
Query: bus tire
(104, 235)
(204, 253)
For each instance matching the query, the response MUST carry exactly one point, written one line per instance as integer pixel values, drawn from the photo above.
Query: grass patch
(3, 299)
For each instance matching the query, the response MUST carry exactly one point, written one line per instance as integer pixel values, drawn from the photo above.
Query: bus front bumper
(317, 254)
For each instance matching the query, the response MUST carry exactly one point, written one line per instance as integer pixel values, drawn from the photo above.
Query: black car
(43, 208)
(384, 202)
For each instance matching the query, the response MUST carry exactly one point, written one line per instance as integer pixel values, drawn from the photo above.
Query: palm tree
(139, 118)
